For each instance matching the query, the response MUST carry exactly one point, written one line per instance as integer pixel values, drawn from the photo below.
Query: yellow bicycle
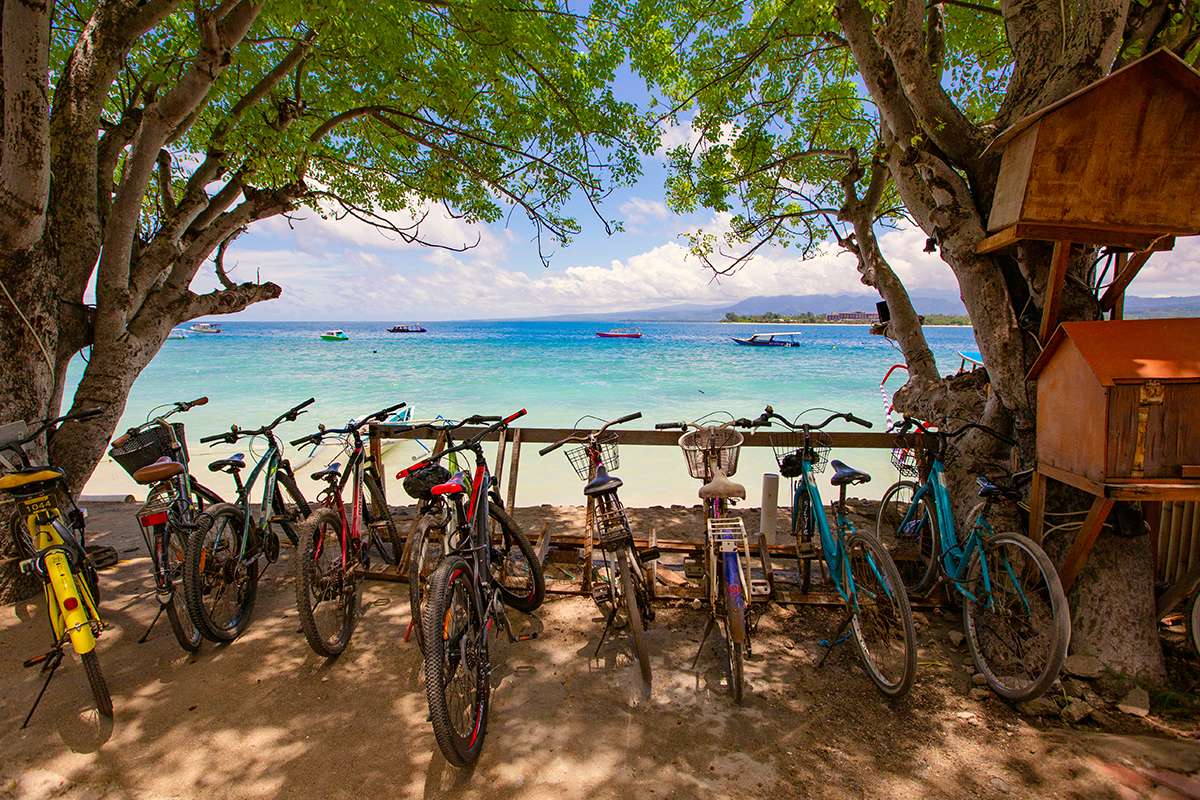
(52, 550)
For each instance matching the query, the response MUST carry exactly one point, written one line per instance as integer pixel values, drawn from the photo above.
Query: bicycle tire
(172, 557)
(803, 525)
(420, 558)
(514, 567)
(915, 549)
(220, 589)
(289, 519)
(1027, 618)
(1191, 620)
(326, 586)
(629, 590)
(91, 665)
(457, 679)
(882, 621)
(736, 654)
(389, 545)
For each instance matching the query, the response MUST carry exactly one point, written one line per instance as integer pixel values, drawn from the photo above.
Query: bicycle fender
(72, 608)
(735, 600)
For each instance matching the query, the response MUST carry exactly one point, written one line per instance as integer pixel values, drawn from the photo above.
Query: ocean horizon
(558, 371)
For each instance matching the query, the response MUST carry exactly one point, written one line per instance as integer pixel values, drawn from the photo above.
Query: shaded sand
(265, 717)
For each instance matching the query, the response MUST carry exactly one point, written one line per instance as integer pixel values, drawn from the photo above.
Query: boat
(176, 334)
(206, 327)
(324, 452)
(621, 333)
(971, 357)
(412, 327)
(334, 336)
(771, 339)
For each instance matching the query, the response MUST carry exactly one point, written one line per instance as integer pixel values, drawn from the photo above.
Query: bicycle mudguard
(72, 616)
(735, 600)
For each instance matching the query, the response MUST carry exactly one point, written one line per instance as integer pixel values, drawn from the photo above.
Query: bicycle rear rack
(729, 535)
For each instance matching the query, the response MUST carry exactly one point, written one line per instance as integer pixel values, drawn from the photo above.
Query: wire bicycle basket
(696, 444)
(578, 456)
(905, 459)
(149, 445)
(789, 451)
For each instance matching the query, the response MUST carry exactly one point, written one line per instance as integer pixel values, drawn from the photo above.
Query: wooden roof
(1162, 58)
(1132, 350)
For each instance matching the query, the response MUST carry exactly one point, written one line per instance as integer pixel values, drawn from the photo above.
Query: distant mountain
(929, 302)
(1145, 307)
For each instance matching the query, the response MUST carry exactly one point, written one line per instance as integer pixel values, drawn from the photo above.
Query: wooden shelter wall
(1013, 179)
(1071, 415)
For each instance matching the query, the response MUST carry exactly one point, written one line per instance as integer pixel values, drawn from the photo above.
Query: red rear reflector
(70, 604)
(153, 519)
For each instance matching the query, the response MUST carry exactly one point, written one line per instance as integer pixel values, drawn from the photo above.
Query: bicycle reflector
(70, 604)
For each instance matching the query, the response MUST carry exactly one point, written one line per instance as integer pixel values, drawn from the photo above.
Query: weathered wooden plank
(1116, 289)
(514, 467)
(1054, 289)
(1139, 240)
(1084, 540)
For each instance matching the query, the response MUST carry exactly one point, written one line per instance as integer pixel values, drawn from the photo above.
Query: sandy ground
(265, 717)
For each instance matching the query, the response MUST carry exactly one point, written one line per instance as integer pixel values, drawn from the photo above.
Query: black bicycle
(467, 593)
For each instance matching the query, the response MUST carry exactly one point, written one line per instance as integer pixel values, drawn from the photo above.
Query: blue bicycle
(1015, 614)
(877, 609)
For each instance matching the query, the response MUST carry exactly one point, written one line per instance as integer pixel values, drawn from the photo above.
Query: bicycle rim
(171, 557)
(882, 622)
(456, 664)
(910, 534)
(1019, 631)
(326, 588)
(630, 598)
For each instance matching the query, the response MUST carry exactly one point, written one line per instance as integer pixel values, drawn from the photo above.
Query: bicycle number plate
(41, 506)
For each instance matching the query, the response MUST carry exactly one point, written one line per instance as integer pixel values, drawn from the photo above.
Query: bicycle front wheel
(909, 532)
(881, 620)
(383, 532)
(91, 665)
(220, 588)
(515, 567)
(289, 517)
(630, 598)
(1018, 624)
(326, 586)
(172, 555)
(457, 680)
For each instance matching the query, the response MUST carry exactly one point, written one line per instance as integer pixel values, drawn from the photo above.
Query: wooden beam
(514, 466)
(1043, 232)
(1084, 541)
(1054, 289)
(1116, 290)
(1037, 507)
(1181, 589)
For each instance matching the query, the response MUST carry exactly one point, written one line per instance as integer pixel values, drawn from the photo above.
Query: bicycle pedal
(271, 547)
(649, 554)
(33, 662)
(693, 567)
(525, 637)
(759, 588)
(806, 550)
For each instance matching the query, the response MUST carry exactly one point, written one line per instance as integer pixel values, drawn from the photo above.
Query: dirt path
(265, 717)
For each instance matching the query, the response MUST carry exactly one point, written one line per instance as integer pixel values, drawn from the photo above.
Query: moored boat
(206, 327)
(412, 327)
(176, 334)
(786, 339)
(621, 333)
(334, 336)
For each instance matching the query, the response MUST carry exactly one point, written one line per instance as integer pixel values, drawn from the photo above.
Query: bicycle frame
(268, 465)
(56, 548)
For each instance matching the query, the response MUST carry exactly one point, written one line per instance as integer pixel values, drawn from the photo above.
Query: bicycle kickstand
(604, 633)
(512, 637)
(146, 635)
(712, 621)
(49, 662)
(837, 639)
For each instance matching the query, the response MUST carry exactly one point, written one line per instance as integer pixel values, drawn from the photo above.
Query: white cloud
(637, 209)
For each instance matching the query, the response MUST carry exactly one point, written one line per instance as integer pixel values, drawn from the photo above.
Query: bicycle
(623, 584)
(221, 566)
(333, 553)
(877, 609)
(52, 550)
(155, 454)
(711, 452)
(1015, 614)
(467, 594)
(435, 532)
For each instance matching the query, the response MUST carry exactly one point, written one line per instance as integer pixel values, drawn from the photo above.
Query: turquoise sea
(559, 371)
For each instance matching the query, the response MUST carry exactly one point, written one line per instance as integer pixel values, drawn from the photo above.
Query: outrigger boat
(413, 327)
(621, 333)
(770, 340)
(334, 336)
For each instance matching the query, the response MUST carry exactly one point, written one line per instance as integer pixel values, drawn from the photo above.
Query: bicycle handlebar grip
(199, 401)
(662, 426)
(214, 438)
(858, 421)
(305, 404)
(549, 448)
(627, 418)
(301, 440)
(517, 415)
(122, 439)
(479, 419)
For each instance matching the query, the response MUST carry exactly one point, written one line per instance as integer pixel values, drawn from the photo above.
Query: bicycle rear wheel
(220, 588)
(1017, 629)
(457, 679)
(881, 621)
(383, 534)
(289, 518)
(804, 528)
(910, 534)
(91, 665)
(326, 586)
(172, 553)
(630, 592)
(423, 556)
(515, 567)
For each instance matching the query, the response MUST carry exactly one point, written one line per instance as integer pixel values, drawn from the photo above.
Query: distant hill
(1146, 307)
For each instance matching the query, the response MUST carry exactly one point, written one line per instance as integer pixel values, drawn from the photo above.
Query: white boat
(331, 450)
(206, 327)
(334, 336)
(784, 339)
(176, 334)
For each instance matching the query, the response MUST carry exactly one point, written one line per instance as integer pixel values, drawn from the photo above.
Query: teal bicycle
(1015, 614)
(221, 568)
(876, 606)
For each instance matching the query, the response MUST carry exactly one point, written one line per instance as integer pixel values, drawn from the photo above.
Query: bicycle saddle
(455, 485)
(991, 491)
(329, 473)
(603, 483)
(158, 471)
(720, 486)
(232, 464)
(845, 476)
(29, 475)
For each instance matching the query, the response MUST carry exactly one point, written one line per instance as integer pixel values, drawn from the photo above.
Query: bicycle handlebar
(769, 414)
(78, 416)
(470, 444)
(351, 427)
(740, 422)
(910, 422)
(579, 436)
(236, 433)
(180, 407)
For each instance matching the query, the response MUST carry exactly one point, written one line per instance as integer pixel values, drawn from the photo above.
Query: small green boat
(334, 336)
